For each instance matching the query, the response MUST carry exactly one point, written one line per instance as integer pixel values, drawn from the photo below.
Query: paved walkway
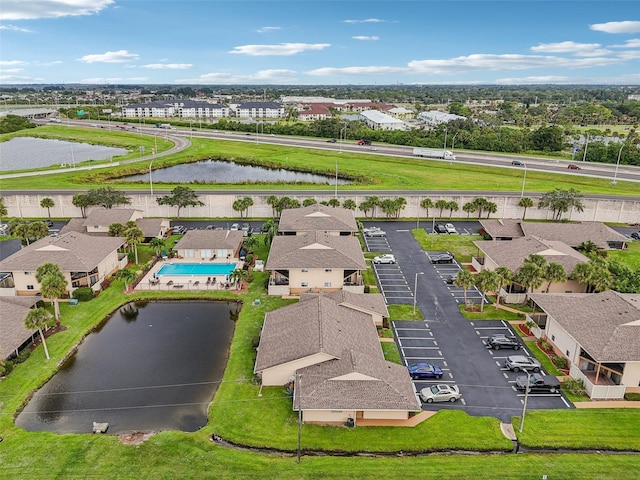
(607, 404)
(410, 422)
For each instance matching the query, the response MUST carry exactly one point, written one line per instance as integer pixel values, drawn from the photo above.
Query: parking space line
(425, 348)
(424, 358)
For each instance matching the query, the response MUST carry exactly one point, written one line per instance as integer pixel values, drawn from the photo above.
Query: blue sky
(307, 42)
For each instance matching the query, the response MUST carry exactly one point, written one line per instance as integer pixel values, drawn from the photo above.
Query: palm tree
(554, 273)
(525, 202)
(333, 202)
(134, 237)
(582, 273)
(270, 229)
(464, 279)
(37, 319)
(3, 209)
(237, 276)
(505, 276)
(273, 201)
(128, 276)
(116, 230)
(452, 206)
(349, 204)
(469, 207)
(588, 248)
(529, 276)
(486, 281)
(426, 203)
(441, 204)
(158, 244)
(47, 203)
(53, 284)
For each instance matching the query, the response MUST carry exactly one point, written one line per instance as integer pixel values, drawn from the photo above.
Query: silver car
(522, 362)
(440, 393)
(386, 258)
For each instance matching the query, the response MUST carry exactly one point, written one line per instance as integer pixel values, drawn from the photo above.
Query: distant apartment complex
(179, 108)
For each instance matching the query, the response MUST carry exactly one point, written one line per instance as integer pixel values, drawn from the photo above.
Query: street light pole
(615, 175)
(336, 191)
(453, 142)
(150, 181)
(445, 138)
(584, 155)
(524, 178)
(415, 291)
(524, 407)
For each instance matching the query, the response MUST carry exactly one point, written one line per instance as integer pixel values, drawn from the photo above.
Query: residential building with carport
(317, 217)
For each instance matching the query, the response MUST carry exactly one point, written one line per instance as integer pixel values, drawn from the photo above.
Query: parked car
(517, 163)
(450, 228)
(442, 258)
(522, 362)
(247, 229)
(235, 226)
(538, 383)
(210, 227)
(502, 341)
(385, 258)
(450, 279)
(424, 370)
(374, 232)
(439, 228)
(573, 166)
(635, 235)
(440, 393)
(179, 230)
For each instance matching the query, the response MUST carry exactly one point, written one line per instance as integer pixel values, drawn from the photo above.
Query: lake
(152, 366)
(22, 153)
(216, 171)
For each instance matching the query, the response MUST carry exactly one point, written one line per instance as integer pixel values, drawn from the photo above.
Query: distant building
(176, 108)
(435, 117)
(381, 121)
(259, 110)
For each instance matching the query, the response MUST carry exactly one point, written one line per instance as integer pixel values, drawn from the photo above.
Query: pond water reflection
(216, 171)
(152, 366)
(27, 152)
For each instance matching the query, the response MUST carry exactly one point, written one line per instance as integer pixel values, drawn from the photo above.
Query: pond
(22, 153)
(216, 171)
(152, 366)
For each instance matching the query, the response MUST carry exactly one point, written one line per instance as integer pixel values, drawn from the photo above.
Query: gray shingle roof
(106, 216)
(369, 302)
(317, 217)
(511, 254)
(506, 227)
(13, 333)
(315, 250)
(150, 227)
(606, 324)
(317, 325)
(355, 381)
(71, 251)
(198, 239)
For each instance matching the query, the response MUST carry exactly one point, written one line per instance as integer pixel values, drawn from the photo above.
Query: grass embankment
(491, 313)
(460, 245)
(377, 172)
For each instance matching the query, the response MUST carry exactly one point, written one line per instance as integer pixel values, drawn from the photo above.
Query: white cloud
(282, 49)
(168, 66)
(11, 70)
(364, 37)
(12, 62)
(629, 55)
(578, 49)
(617, 27)
(15, 28)
(274, 76)
(531, 80)
(374, 70)
(633, 43)
(34, 9)
(100, 80)
(366, 20)
(121, 56)
(19, 79)
(268, 29)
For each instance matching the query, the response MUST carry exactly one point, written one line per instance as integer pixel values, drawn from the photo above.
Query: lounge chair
(208, 280)
(196, 283)
(169, 283)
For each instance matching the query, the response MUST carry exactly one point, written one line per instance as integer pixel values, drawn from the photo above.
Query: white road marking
(505, 375)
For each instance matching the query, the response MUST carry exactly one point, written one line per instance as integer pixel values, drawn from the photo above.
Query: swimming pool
(197, 269)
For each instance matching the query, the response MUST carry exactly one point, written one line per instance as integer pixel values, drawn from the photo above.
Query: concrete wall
(219, 205)
(631, 375)
(564, 342)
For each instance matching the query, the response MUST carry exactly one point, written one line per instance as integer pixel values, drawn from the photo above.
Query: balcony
(605, 389)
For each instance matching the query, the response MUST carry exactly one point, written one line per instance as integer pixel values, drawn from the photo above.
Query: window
(27, 273)
(553, 338)
(567, 353)
(327, 270)
(30, 287)
(304, 270)
(327, 284)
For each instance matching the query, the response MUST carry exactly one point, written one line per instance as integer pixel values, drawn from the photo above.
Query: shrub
(632, 397)
(23, 355)
(560, 362)
(6, 368)
(544, 345)
(574, 386)
(131, 257)
(249, 259)
(84, 294)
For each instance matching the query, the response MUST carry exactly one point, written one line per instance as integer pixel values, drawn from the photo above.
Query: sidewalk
(607, 404)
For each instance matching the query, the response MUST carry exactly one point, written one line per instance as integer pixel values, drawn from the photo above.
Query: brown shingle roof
(151, 227)
(71, 251)
(13, 333)
(511, 254)
(317, 325)
(315, 250)
(317, 217)
(106, 216)
(210, 239)
(355, 381)
(606, 324)
(574, 234)
(369, 302)
(506, 227)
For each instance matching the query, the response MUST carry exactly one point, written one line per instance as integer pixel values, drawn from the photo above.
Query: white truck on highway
(434, 153)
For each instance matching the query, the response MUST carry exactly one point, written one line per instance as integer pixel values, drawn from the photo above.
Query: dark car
(424, 370)
(332, 140)
(440, 228)
(635, 235)
(573, 166)
(449, 279)
(517, 163)
(502, 341)
(442, 258)
(538, 383)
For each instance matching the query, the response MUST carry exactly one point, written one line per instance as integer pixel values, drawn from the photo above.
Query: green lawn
(629, 257)
(547, 364)
(391, 352)
(460, 245)
(491, 313)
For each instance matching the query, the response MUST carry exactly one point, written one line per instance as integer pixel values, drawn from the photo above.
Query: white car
(450, 228)
(374, 232)
(386, 258)
(440, 393)
(235, 226)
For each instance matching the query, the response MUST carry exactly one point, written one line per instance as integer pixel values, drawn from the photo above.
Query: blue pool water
(197, 269)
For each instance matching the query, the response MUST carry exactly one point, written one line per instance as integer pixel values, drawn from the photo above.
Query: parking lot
(393, 283)
(445, 270)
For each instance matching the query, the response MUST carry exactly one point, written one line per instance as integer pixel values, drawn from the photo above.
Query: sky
(306, 42)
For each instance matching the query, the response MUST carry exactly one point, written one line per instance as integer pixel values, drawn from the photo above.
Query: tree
(116, 230)
(82, 201)
(180, 197)
(464, 279)
(529, 276)
(525, 202)
(47, 203)
(242, 205)
(333, 202)
(554, 272)
(237, 276)
(588, 248)
(307, 202)
(480, 203)
(107, 197)
(249, 244)
(441, 204)
(128, 275)
(134, 236)
(270, 230)
(469, 208)
(39, 319)
(28, 231)
(3, 209)
(158, 244)
(486, 281)
(504, 276)
(559, 201)
(349, 204)
(452, 206)
(53, 284)
(491, 207)
(426, 203)
(273, 201)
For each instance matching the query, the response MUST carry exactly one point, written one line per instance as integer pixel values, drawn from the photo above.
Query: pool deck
(186, 282)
